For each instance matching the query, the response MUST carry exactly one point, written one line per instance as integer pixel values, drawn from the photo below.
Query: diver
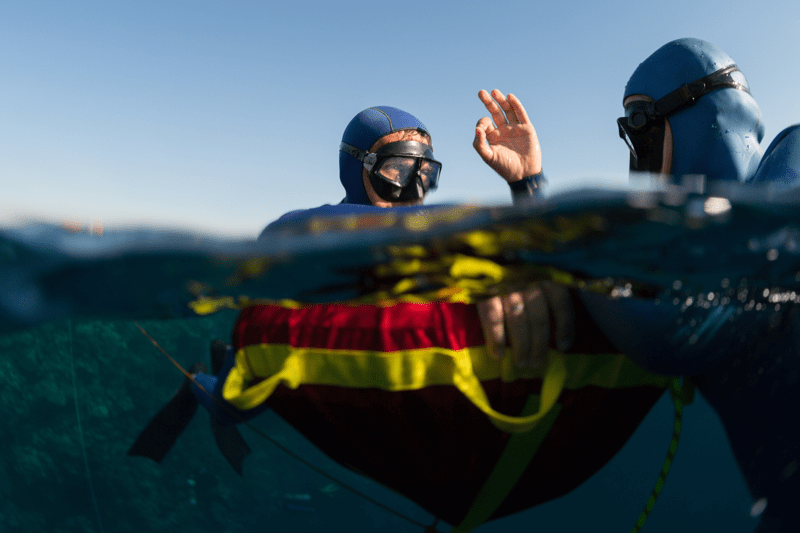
(386, 161)
(689, 110)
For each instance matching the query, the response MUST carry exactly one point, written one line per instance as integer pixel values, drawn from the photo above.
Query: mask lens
(429, 171)
(397, 170)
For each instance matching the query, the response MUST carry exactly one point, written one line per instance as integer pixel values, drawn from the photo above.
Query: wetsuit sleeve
(670, 337)
(527, 188)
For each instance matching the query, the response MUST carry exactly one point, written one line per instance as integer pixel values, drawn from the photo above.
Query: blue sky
(221, 115)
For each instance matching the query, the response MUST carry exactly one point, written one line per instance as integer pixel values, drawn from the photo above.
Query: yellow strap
(553, 383)
(408, 371)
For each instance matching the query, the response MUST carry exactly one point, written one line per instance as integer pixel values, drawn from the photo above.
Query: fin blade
(160, 434)
(232, 445)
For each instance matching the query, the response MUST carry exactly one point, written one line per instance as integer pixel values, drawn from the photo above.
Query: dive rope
(681, 395)
(80, 428)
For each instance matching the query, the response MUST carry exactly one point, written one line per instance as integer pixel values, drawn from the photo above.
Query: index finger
(492, 107)
(491, 315)
(518, 108)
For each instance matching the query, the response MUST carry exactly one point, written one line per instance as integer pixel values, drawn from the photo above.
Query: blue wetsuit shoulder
(781, 162)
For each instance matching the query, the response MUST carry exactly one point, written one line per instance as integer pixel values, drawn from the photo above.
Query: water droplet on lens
(772, 254)
(758, 508)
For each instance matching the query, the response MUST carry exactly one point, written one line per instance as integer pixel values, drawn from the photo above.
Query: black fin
(219, 351)
(229, 441)
(160, 434)
(231, 444)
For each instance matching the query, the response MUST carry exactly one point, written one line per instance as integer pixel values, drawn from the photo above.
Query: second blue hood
(719, 135)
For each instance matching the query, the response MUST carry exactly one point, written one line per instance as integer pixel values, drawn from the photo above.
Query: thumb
(481, 145)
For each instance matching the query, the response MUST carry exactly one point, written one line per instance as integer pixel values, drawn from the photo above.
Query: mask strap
(688, 93)
(368, 158)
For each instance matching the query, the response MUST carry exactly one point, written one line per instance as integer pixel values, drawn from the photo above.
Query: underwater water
(47, 484)
(78, 380)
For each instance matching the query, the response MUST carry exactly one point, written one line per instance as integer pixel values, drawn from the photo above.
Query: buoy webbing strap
(395, 371)
(681, 395)
(260, 368)
(516, 457)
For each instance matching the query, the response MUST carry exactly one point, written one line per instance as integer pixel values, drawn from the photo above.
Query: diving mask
(401, 171)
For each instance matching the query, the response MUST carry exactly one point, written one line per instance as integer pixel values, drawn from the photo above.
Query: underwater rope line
(681, 394)
(80, 428)
(281, 447)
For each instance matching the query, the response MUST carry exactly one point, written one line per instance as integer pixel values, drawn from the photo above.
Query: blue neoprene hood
(362, 132)
(717, 136)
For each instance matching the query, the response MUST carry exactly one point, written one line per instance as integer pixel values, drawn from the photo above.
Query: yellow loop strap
(261, 368)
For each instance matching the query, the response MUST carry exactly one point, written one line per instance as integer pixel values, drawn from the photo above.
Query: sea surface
(78, 379)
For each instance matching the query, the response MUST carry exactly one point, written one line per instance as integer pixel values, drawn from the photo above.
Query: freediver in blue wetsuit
(508, 144)
(376, 145)
(688, 110)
